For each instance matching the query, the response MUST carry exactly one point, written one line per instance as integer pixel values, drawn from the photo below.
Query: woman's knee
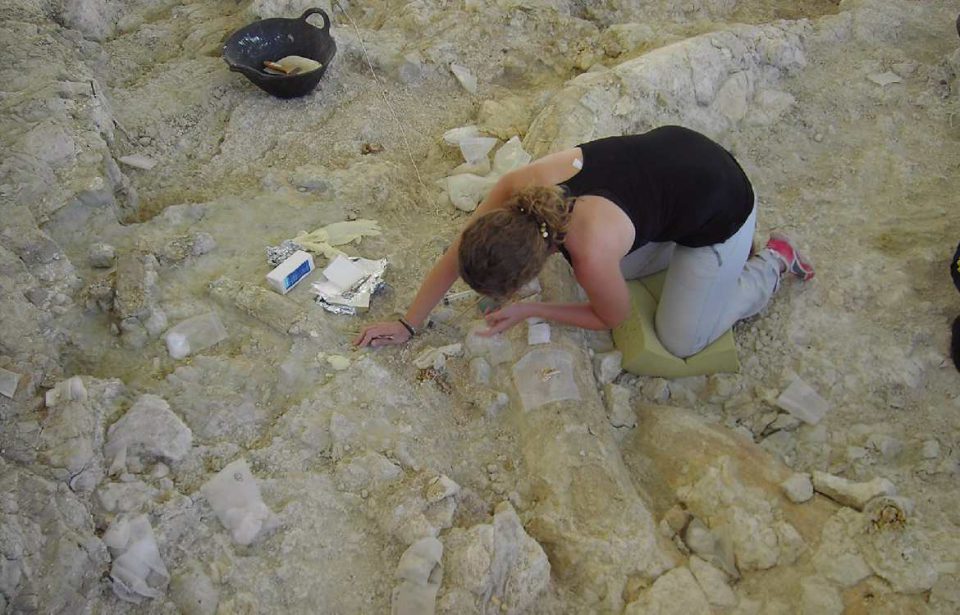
(680, 342)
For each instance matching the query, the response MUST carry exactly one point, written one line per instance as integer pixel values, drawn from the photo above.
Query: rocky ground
(280, 470)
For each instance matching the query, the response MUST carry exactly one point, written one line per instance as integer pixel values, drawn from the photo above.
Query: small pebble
(101, 255)
(930, 450)
(818, 137)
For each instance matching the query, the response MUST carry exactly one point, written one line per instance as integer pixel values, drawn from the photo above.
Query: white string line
(383, 94)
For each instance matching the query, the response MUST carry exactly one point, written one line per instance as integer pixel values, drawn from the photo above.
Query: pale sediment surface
(142, 182)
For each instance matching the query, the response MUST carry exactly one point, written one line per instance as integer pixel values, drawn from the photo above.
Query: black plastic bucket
(271, 39)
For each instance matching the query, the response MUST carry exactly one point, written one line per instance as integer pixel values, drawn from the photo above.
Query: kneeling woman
(617, 208)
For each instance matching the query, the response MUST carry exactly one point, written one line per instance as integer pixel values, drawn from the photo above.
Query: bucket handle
(314, 11)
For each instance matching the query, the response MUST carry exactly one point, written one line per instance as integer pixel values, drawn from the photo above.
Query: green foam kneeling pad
(644, 355)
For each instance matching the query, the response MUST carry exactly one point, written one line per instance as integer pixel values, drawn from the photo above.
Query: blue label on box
(294, 276)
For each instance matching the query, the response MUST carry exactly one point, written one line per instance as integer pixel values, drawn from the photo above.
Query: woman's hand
(500, 320)
(382, 334)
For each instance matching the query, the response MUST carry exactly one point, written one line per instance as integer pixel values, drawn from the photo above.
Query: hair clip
(543, 230)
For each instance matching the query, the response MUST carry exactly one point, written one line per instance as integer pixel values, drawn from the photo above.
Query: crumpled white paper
(349, 283)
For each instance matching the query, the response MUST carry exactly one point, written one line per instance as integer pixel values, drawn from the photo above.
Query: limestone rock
(466, 190)
(369, 470)
(717, 550)
(617, 400)
(9, 381)
(409, 510)
(504, 118)
(899, 558)
(849, 493)
(47, 535)
(607, 366)
(742, 514)
(819, 597)
(180, 248)
(73, 435)
(798, 488)
(674, 593)
(149, 429)
(95, 19)
(713, 582)
(101, 255)
(838, 557)
(135, 285)
(126, 497)
(192, 590)
(497, 563)
(420, 573)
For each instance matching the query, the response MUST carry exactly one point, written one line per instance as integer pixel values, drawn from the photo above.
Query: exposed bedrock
(712, 82)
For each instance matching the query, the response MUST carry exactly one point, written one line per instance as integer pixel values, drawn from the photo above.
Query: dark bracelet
(407, 326)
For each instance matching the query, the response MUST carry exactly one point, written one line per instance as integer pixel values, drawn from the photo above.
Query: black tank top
(674, 184)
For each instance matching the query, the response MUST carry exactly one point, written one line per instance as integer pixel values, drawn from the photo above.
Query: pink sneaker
(781, 247)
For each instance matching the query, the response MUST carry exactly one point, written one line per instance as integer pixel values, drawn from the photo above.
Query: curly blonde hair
(502, 250)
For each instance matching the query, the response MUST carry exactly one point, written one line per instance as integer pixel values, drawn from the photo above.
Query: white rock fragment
(194, 335)
(420, 573)
(234, 496)
(437, 357)
(138, 571)
(798, 488)
(138, 161)
(884, 79)
(675, 592)
(930, 449)
(467, 190)
(148, 429)
(538, 333)
(900, 559)
(338, 362)
(476, 149)
(454, 136)
(713, 582)
(465, 77)
(607, 366)
(800, 400)
(501, 567)
(101, 255)
(849, 493)
(616, 398)
(791, 543)
(510, 156)
(65, 391)
(838, 558)
(713, 549)
(8, 383)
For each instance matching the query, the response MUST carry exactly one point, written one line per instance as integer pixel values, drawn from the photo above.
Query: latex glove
(500, 320)
(382, 334)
